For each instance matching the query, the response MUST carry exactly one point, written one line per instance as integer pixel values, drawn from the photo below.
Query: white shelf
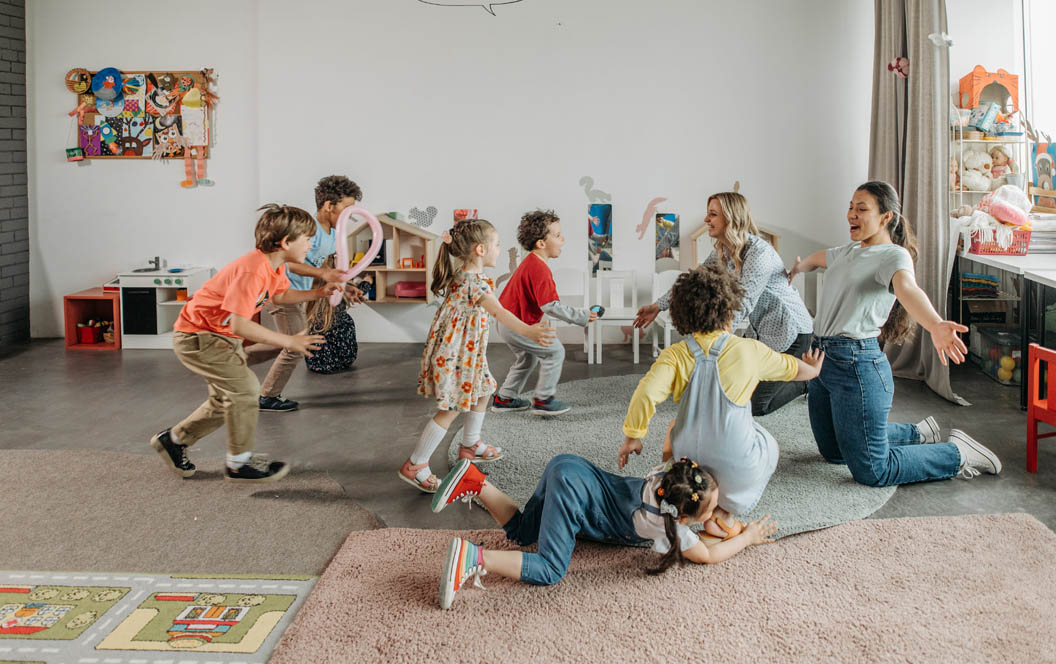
(173, 303)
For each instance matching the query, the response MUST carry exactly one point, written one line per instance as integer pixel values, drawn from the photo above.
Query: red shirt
(242, 287)
(530, 287)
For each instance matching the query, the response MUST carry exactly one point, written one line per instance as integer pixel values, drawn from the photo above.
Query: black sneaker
(549, 407)
(501, 405)
(175, 455)
(277, 404)
(257, 469)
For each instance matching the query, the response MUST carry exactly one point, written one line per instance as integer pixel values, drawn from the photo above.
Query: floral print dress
(454, 365)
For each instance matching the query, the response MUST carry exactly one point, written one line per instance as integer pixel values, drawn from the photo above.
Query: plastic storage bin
(996, 350)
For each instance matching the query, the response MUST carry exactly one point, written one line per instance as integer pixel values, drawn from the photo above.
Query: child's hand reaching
(329, 274)
(541, 333)
(759, 532)
(593, 317)
(304, 344)
(630, 445)
(326, 289)
(814, 357)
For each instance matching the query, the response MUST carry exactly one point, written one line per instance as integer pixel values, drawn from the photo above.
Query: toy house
(980, 86)
(409, 256)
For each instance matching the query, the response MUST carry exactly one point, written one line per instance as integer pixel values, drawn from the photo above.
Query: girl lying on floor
(575, 497)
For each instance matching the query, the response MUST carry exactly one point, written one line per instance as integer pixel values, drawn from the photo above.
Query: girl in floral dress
(454, 367)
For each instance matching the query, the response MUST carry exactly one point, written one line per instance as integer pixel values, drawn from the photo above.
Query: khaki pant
(289, 319)
(233, 390)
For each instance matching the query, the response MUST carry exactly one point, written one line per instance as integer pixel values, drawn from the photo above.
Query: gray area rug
(116, 512)
(805, 492)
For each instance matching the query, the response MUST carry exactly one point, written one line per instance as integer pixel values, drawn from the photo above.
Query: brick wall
(14, 205)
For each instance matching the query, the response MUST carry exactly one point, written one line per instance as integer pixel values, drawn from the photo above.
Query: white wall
(92, 219)
(987, 33)
(453, 107)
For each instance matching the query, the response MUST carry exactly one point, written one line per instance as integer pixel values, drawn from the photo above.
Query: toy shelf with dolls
(402, 272)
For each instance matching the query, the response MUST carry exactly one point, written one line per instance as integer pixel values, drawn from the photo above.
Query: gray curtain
(909, 148)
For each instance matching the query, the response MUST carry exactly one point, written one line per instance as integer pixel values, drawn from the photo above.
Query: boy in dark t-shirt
(529, 294)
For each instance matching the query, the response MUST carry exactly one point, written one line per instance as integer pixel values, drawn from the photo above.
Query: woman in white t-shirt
(869, 296)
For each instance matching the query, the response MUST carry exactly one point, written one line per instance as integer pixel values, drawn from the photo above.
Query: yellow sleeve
(669, 374)
(743, 363)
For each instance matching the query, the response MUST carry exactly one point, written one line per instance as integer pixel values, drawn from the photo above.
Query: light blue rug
(805, 492)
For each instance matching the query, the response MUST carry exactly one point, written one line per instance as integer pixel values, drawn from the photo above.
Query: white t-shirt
(651, 526)
(857, 296)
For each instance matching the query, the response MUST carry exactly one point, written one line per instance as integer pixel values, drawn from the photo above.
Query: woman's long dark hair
(899, 324)
(688, 487)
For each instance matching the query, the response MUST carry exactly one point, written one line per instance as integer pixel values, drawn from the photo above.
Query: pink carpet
(968, 588)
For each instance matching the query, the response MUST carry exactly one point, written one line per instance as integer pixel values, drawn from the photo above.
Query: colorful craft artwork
(599, 236)
(667, 241)
(167, 138)
(89, 140)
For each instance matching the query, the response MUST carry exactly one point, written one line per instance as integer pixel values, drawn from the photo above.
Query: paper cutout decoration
(593, 195)
(78, 81)
(195, 137)
(647, 216)
(421, 218)
(89, 140)
(167, 139)
(106, 84)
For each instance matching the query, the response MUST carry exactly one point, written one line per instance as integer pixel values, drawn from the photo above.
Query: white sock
(431, 437)
(236, 461)
(172, 435)
(471, 428)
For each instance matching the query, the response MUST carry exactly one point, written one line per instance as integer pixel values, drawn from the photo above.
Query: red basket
(1019, 246)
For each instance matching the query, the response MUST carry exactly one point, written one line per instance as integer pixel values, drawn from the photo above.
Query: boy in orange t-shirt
(208, 341)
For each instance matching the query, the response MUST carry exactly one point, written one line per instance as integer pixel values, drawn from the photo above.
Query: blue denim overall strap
(721, 435)
(573, 498)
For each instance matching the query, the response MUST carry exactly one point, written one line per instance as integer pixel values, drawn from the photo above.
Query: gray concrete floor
(359, 426)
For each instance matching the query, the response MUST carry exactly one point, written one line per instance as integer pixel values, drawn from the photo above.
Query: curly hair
(534, 227)
(333, 188)
(705, 299)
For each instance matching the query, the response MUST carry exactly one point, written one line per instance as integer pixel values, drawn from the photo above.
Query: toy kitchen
(151, 300)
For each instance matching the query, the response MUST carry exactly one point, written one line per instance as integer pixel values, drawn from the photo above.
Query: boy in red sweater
(529, 294)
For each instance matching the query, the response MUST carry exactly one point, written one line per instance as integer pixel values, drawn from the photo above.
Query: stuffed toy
(954, 168)
(975, 175)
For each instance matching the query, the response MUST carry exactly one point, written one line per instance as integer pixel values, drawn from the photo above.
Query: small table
(94, 303)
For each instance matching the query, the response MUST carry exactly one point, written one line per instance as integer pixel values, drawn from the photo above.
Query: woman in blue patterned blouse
(772, 308)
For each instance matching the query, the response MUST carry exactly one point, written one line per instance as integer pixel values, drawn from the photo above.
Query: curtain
(909, 148)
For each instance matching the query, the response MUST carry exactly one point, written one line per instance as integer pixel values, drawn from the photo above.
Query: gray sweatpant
(526, 355)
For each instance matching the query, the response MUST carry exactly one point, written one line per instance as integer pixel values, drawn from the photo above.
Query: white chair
(662, 282)
(574, 288)
(617, 291)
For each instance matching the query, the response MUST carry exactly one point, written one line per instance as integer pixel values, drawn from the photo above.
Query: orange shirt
(243, 287)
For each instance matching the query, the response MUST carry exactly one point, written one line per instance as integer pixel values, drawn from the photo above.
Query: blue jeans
(574, 497)
(849, 404)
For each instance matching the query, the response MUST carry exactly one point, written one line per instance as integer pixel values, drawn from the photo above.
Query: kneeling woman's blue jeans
(574, 497)
(849, 403)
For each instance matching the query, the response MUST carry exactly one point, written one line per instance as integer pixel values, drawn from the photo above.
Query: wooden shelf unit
(402, 240)
(94, 303)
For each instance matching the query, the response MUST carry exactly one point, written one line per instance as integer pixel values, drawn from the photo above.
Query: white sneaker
(929, 429)
(975, 457)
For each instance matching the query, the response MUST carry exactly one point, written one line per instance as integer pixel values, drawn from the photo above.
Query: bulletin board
(141, 114)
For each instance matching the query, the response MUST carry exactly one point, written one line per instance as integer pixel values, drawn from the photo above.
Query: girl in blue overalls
(576, 498)
(712, 374)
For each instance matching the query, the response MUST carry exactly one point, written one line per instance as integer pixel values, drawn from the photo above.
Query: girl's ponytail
(898, 325)
(457, 244)
(686, 489)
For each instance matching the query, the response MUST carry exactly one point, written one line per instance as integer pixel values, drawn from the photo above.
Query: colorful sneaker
(462, 483)
(929, 430)
(277, 404)
(500, 405)
(549, 407)
(257, 469)
(175, 455)
(975, 457)
(480, 452)
(464, 560)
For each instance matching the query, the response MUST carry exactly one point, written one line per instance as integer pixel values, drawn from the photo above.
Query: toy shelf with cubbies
(403, 270)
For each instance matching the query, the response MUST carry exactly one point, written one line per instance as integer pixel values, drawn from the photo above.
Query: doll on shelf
(955, 179)
(1003, 163)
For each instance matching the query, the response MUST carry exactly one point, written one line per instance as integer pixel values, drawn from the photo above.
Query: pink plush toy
(1008, 204)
